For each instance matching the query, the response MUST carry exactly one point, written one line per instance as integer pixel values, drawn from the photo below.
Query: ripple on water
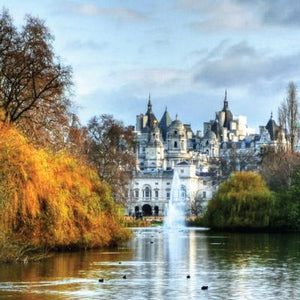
(234, 266)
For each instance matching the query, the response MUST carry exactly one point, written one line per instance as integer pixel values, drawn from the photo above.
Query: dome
(176, 124)
(210, 135)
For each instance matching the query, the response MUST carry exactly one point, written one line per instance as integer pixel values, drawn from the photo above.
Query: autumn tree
(278, 168)
(198, 205)
(34, 85)
(233, 160)
(78, 140)
(111, 150)
(288, 115)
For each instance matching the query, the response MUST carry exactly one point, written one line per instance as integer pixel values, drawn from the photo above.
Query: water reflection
(157, 262)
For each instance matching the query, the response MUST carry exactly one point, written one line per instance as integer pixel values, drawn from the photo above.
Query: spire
(176, 117)
(271, 117)
(164, 123)
(149, 102)
(225, 101)
(166, 110)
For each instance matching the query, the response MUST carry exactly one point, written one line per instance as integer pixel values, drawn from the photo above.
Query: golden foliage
(53, 200)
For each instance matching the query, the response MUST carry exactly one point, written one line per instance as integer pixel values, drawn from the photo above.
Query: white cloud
(93, 10)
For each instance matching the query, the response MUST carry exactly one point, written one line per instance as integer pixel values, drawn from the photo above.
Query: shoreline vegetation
(244, 203)
(51, 201)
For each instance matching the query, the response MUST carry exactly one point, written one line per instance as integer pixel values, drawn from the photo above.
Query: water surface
(156, 264)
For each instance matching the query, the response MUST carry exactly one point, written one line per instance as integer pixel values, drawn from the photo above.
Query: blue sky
(184, 52)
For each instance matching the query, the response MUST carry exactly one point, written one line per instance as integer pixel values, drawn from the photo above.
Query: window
(136, 183)
(182, 171)
(204, 194)
(175, 144)
(182, 192)
(156, 183)
(147, 192)
(204, 182)
(168, 195)
(175, 132)
(136, 193)
(156, 194)
(168, 183)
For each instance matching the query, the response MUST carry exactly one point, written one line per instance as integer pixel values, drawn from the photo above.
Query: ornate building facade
(167, 146)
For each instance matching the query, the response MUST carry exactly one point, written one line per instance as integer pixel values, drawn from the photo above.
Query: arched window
(147, 192)
(175, 144)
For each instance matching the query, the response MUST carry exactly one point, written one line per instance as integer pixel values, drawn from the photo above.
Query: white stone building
(167, 146)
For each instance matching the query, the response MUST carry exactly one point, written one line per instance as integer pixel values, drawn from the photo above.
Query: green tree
(243, 201)
(287, 206)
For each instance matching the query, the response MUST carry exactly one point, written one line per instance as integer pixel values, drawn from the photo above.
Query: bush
(53, 200)
(242, 202)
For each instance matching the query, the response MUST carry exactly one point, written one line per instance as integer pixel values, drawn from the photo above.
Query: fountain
(175, 211)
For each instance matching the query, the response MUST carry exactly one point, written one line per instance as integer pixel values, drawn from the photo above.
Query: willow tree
(243, 202)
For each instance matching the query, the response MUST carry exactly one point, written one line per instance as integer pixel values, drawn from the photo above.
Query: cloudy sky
(184, 52)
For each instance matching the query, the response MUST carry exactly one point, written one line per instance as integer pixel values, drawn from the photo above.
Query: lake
(157, 263)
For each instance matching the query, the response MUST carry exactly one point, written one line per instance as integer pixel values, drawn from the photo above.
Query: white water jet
(175, 210)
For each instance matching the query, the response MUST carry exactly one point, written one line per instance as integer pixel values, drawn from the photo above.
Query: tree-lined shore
(60, 182)
(245, 203)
